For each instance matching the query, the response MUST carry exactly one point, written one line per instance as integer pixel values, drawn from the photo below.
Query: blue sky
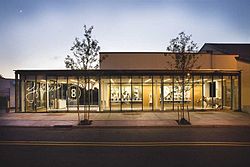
(37, 34)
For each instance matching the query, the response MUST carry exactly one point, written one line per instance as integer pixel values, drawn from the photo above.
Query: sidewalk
(128, 119)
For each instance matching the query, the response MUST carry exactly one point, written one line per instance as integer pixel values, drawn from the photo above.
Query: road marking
(125, 144)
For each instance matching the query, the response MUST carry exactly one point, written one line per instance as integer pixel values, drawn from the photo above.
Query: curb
(119, 126)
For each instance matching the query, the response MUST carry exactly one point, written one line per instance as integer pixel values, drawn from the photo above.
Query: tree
(183, 57)
(85, 56)
(184, 49)
(85, 52)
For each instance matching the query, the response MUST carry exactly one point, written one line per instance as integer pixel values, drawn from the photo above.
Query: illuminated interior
(125, 93)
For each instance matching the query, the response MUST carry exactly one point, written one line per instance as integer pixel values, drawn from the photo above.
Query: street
(227, 146)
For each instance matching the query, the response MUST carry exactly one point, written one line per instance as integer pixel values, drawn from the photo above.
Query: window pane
(41, 94)
(197, 92)
(105, 94)
(126, 93)
(136, 93)
(227, 92)
(62, 93)
(235, 93)
(74, 93)
(115, 93)
(168, 92)
(147, 93)
(156, 93)
(30, 93)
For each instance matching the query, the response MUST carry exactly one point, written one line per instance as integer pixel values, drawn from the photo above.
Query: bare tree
(85, 56)
(183, 57)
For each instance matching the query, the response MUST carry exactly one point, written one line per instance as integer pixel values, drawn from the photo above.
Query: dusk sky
(38, 34)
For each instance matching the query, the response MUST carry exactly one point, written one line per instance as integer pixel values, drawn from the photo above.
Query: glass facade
(125, 91)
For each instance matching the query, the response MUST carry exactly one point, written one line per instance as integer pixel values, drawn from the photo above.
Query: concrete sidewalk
(128, 119)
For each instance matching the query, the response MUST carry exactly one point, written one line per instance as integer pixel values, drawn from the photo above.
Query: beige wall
(134, 61)
(159, 61)
(224, 62)
(245, 85)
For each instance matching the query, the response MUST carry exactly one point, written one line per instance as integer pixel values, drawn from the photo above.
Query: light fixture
(129, 80)
(167, 79)
(147, 80)
(112, 81)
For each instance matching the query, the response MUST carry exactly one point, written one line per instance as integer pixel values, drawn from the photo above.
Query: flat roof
(122, 72)
(145, 52)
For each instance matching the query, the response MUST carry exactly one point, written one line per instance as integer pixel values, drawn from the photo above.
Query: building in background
(241, 53)
(7, 94)
(138, 81)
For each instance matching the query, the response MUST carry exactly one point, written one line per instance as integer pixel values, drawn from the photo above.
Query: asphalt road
(125, 147)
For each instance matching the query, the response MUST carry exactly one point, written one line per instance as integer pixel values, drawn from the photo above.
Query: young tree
(85, 52)
(184, 51)
(85, 56)
(182, 56)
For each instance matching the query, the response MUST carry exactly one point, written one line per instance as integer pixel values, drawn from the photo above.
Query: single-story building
(141, 81)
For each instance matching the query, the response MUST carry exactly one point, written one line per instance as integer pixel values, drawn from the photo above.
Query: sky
(38, 34)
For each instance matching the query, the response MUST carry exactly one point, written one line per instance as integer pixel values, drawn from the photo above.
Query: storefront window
(235, 92)
(105, 94)
(126, 93)
(198, 93)
(73, 94)
(217, 100)
(62, 88)
(93, 93)
(168, 92)
(147, 93)
(188, 92)
(116, 94)
(49, 93)
(209, 90)
(136, 93)
(30, 94)
(177, 93)
(227, 93)
(157, 93)
(41, 94)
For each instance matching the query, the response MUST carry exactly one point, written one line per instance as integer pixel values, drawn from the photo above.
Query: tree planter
(183, 121)
(85, 122)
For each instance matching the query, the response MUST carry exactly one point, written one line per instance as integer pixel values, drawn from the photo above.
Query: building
(139, 81)
(7, 94)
